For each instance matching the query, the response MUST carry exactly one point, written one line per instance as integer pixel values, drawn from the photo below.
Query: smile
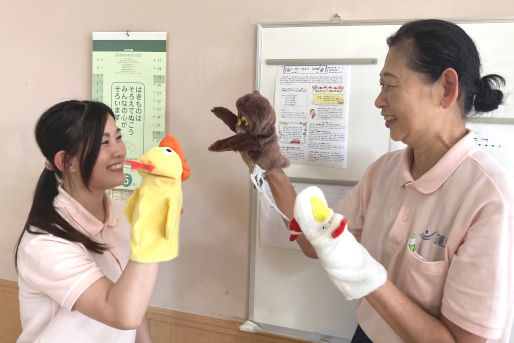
(389, 121)
(115, 166)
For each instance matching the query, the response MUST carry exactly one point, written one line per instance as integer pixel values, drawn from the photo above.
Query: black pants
(360, 337)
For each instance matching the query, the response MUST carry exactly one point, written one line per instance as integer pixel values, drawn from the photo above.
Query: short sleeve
(61, 269)
(478, 291)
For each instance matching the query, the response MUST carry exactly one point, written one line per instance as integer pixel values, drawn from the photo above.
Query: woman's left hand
(348, 264)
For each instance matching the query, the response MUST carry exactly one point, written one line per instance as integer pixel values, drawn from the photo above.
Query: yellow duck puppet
(155, 207)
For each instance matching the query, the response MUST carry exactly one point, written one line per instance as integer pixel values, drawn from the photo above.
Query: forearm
(285, 195)
(122, 304)
(406, 318)
(282, 191)
(131, 294)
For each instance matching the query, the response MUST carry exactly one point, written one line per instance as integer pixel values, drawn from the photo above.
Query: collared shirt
(461, 215)
(54, 272)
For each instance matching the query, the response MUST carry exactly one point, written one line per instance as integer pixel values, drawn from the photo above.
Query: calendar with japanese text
(129, 75)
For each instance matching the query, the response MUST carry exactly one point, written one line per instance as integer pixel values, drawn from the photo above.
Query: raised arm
(122, 304)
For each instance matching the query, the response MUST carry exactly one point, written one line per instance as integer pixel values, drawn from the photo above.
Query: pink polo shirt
(53, 273)
(461, 214)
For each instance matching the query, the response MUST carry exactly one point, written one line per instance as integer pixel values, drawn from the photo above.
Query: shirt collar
(82, 217)
(441, 171)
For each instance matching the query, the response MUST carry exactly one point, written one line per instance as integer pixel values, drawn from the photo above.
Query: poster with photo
(311, 104)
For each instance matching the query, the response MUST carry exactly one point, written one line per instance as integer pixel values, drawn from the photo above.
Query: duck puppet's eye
(167, 151)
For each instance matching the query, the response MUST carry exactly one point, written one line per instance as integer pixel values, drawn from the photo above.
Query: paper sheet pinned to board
(312, 105)
(272, 229)
(497, 140)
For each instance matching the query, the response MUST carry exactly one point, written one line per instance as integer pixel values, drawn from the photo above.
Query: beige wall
(46, 57)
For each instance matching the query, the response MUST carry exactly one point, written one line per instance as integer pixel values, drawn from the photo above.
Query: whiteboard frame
(299, 334)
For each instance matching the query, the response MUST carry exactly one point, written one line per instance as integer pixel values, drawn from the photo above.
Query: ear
(61, 164)
(450, 82)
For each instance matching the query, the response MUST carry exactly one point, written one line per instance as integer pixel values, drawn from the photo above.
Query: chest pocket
(423, 281)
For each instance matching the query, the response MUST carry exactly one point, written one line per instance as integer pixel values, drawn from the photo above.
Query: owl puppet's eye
(244, 121)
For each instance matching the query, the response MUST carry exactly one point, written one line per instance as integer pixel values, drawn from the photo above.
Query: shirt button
(405, 218)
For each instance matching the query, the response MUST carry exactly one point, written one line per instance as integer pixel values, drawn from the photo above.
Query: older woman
(455, 281)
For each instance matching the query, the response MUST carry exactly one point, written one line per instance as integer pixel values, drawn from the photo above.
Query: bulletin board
(291, 294)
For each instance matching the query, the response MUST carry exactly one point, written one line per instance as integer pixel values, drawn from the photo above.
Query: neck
(159, 182)
(91, 200)
(428, 153)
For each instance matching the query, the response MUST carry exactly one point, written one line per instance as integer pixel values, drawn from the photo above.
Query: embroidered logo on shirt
(426, 235)
(440, 240)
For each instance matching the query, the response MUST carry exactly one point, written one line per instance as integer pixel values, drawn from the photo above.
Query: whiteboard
(290, 294)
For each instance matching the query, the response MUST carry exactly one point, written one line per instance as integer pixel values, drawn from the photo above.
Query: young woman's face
(406, 102)
(108, 168)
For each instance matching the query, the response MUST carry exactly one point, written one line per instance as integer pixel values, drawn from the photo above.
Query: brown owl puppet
(254, 126)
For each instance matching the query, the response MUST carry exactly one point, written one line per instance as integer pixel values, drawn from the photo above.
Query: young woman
(76, 283)
(455, 283)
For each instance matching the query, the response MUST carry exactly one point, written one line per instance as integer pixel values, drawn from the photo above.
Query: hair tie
(49, 166)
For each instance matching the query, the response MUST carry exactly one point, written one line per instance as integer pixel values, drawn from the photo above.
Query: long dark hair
(435, 45)
(75, 127)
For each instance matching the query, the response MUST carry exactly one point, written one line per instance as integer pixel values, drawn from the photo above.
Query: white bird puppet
(348, 264)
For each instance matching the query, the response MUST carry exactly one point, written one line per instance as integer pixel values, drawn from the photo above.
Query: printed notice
(311, 103)
(129, 75)
(497, 140)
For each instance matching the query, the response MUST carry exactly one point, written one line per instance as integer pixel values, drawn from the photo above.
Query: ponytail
(489, 97)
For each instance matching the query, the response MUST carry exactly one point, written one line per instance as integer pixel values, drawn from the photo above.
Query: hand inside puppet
(348, 264)
(254, 126)
(155, 207)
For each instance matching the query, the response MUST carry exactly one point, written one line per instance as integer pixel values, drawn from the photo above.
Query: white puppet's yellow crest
(320, 210)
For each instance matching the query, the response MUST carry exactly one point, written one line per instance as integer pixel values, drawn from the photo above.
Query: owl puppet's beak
(238, 122)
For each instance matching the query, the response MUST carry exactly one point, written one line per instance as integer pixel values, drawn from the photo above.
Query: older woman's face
(407, 104)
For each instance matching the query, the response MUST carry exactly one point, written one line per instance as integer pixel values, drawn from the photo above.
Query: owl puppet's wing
(226, 116)
(239, 142)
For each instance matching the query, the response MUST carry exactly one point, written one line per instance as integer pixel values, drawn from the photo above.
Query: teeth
(116, 166)
(387, 118)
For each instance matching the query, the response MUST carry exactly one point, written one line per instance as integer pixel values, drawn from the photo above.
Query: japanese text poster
(311, 103)
(129, 75)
